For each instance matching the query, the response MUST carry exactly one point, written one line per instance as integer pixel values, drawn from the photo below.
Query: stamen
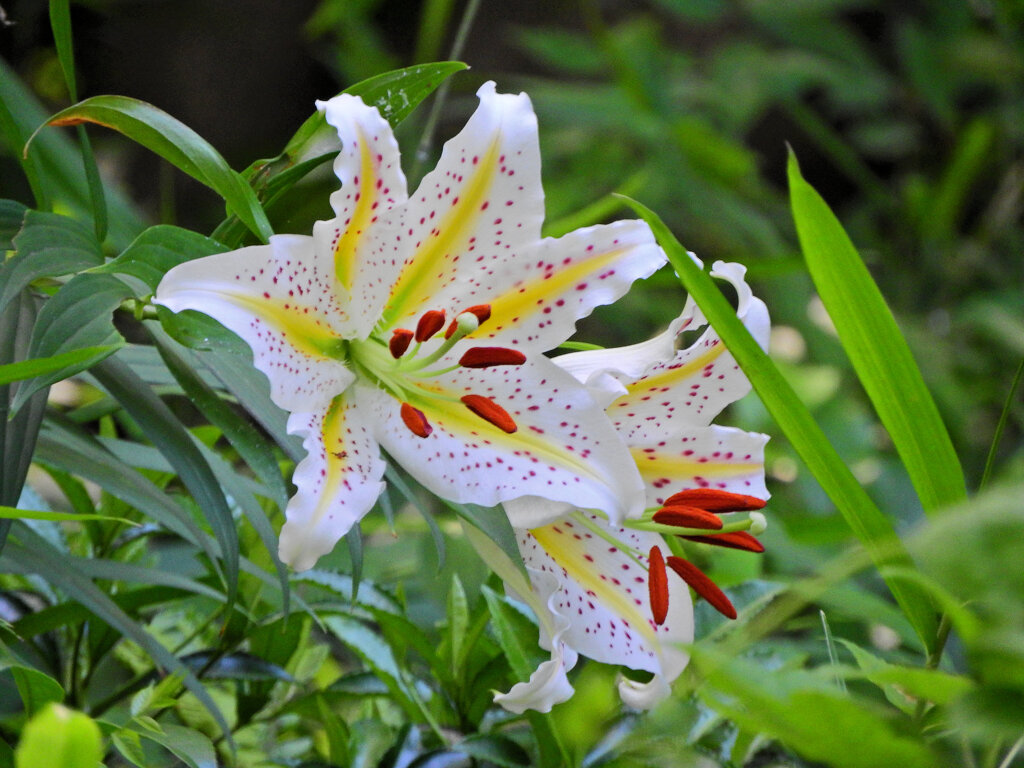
(416, 421)
(431, 322)
(400, 340)
(482, 312)
(488, 410)
(715, 501)
(702, 585)
(657, 585)
(485, 357)
(736, 540)
(687, 517)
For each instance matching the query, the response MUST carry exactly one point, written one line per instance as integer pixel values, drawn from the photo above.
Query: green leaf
(175, 142)
(877, 349)
(17, 435)
(516, 634)
(869, 524)
(187, 744)
(60, 22)
(243, 436)
(162, 427)
(48, 245)
(158, 249)
(396, 94)
(35, 688)
(821, 724)
(904, 685)
(12, 215)
(12, 513)
(458, 623)
(59, 736)
(68, 363)
(376, 654)
(71, 449)
(499, 750)
(53, 165)
(338, 736)
(129, 744)
(33, 554)
(79, 316)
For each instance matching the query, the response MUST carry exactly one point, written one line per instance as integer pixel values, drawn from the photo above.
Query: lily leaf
(176, 143)
(876, 348)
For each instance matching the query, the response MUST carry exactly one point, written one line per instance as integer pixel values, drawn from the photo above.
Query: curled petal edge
(607, 372)
(549, 684)
(644, 695)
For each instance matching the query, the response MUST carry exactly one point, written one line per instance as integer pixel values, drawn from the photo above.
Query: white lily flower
(615, 600)
(417, 325)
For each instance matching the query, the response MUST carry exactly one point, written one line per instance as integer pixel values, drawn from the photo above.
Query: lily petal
(723, 458)
(338, 482)
(649, 378)
(604, 595)
(484, 198)
(694, 385)
(538, 293)
(549, 684)
(372, 183)
(564, 447)
(279, 299)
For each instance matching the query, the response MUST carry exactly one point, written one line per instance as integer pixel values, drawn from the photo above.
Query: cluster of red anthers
(427, 326)
(698, 508)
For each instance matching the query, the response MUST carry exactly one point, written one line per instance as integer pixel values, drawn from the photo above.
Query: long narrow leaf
(175, 142)
(868, 523)
(60, 22)
(69, 363)
(250, 444)
(68, 448)
(48, 245)
(79, 316)
(52, 164)
(17, 435)
(167, 433)
(877, 349)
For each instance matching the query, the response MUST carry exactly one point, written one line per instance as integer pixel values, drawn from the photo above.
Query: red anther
(687, 517)
(657, 585)
(400, 340)
(431, 322)
(715, 501)
(485, 357)
(481, 311)
(416, 421)
(702, 585)
(738, 540)
(488, 410)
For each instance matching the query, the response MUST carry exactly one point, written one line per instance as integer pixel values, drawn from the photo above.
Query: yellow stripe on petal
(297, 323)
(571, 554)
(358, 224)
(333, 440)
(654, 465)
(531, 297)
(670, 376)
(424, 273)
